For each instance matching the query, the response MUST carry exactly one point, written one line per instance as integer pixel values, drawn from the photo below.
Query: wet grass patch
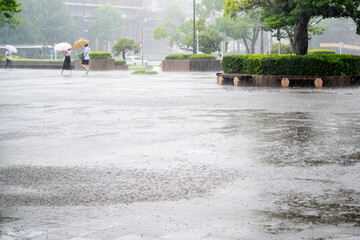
(145, 72)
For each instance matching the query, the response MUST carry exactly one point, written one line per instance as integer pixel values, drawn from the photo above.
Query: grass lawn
(142, 72)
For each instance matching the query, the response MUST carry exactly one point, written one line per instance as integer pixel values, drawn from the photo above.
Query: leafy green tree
(185, 32)
(237, 29)
(284, 48)
(125, 45)
(172, 17)
(298, 13)
(108, 23)
(208, 8)
(209, 37)
(44, 22)
(8, 9)
(209, 41)
(242, 28)
(312, 31)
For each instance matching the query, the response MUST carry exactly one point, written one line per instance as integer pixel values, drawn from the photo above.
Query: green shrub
(284, 48)
(17, 57)
(180, 56)
(2, 56)
(321, 65)
(120, 62)
(98, 55)
(320, 51)
(202, 57)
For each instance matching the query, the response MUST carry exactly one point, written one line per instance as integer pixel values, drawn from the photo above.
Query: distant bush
(2, 56)
(320, 51)
(120, 62)
(284, 49)
(180, 56)
(17, 57)
(319, 65)
(202, 57)
(98, 55)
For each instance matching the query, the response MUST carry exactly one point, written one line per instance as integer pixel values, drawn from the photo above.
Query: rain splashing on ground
(175, 156)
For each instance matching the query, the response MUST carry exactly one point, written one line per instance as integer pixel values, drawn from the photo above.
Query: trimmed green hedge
(319, 65)
(120, 62)
(321, 51)
(180, 56)
(98, 55)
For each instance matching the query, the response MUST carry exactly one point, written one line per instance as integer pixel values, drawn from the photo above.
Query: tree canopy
(172, 17)
(8, 9)
(298, 13)
(208, 8)
(125, 45)
(44, 22)
(108, 23)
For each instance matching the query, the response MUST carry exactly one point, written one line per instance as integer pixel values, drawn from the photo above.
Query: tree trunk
(254, 39)
(246, 45)
(291, 39)
(262, 42)
(301, 35)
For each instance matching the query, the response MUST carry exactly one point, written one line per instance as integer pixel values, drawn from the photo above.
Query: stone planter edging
(97, 64)
(191, 66)
(37, 64)
(290, 80)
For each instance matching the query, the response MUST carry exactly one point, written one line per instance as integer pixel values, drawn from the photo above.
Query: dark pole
(83, 19)
(142, 47)
(194, 45)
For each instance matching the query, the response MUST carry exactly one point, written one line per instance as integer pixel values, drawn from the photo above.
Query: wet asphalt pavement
(175, 156)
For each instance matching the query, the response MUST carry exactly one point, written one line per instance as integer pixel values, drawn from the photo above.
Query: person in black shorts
(86, 58)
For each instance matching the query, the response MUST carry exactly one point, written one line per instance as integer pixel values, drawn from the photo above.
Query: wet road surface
(175, 156)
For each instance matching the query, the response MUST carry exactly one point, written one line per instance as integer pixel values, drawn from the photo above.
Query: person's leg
(10, 65)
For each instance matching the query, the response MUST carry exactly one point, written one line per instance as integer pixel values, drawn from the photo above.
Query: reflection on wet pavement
(299, 139)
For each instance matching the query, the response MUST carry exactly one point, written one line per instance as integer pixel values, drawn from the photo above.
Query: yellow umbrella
(79, 43)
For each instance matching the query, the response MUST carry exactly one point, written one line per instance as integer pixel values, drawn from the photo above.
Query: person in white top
(8, 59)
(86, 58)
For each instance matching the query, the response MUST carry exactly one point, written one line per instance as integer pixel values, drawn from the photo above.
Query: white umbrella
(62, 46)
(11, 48)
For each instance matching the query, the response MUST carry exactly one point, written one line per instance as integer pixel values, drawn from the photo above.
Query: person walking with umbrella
(8, 59)
(9, 49)
(67, 53)
(86, 58)
(67, 61)
(85, 54)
